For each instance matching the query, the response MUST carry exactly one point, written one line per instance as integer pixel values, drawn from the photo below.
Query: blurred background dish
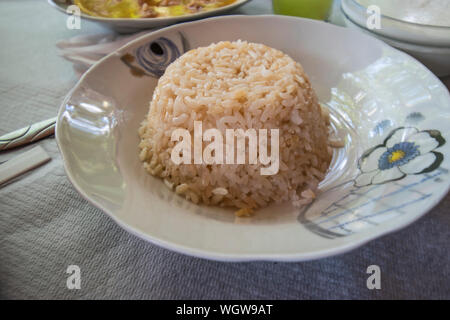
(133, 23)
(403, 30)
(437, 59)
(430, 44)
(423, 12)
(147, 8)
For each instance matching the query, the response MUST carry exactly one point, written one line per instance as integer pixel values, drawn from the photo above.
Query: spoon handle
(28, 134)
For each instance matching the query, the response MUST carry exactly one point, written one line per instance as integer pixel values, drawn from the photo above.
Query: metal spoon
(28, 134)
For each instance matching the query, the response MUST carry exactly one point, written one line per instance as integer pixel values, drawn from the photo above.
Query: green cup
(313, 9)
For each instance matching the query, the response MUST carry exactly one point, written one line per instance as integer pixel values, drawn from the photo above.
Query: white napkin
(84, 50)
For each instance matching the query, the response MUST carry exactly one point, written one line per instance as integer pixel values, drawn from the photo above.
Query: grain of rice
(168, 184)
(182, 188)
(220, 191)
(244, 212)
(336, 143)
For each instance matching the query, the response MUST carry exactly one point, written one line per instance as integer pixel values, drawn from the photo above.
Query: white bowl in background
(437, 59)
(404, 31)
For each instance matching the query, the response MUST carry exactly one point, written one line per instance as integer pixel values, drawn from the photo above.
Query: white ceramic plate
(383, 103)
(127, 25)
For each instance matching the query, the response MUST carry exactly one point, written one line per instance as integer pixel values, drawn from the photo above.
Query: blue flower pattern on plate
(400, 154)
(406, 151)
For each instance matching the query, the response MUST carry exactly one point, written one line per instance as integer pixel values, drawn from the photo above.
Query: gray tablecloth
(45, 226)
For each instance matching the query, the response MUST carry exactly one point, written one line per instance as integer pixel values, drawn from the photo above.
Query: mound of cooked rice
(238, 85)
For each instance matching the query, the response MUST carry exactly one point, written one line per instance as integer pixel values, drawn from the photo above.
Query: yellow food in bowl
(147, 8)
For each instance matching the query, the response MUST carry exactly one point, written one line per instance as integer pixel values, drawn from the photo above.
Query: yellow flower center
(396, 155)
